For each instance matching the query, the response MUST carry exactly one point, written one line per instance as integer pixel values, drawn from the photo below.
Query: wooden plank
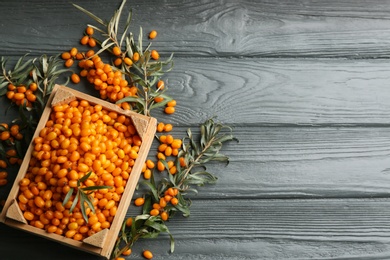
(328, 28)
(280, 91)
(255, 229)
(300, 162)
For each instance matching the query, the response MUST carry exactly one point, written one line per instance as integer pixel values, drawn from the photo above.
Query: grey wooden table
(305, 84)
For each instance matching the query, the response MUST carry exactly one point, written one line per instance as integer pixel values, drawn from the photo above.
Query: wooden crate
(102, 242)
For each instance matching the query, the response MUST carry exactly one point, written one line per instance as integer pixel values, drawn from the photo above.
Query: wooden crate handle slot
(97, 239)
(62, 97)
(15, 213)
(141, 125)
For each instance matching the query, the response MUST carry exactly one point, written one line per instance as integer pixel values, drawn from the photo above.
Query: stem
(188, 170)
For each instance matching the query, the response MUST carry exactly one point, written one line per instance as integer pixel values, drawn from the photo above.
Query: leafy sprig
(82, 195)
(196, 153)
(143, 73)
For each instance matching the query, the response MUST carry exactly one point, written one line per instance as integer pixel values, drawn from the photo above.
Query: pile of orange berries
(22, 94)
(8, 135)
(111, 84)
(78, 138)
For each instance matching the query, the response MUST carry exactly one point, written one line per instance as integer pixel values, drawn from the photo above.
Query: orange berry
(127, 252)
(150, 164)
(164, 216)
(91, 42)
(168, 127)
(89, 30)
(147, 254)
(31, 97)
(158, 99)
(3, 164)
(171, 103)
(135, 57)
(147, 174)
(153, 34)
(128, 61)
(160, 166)
(75, 78)
(169, 110)
(69, 63)
(10, 94)
(66, 55)
(155, 55)
(116, 51)
(19, 96)
(160, 84)
(139, 201)
(73, 52)
(154, 212)
(84, 40)
(118, 62)
(33, 87)
(174, 201)
(160, 127)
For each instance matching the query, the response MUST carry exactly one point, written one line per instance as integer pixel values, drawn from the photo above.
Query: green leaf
(68, 195)
(76, 199)
(92, 188)
(152, 189)
(147, 205)
(85, 177)
(97, 19)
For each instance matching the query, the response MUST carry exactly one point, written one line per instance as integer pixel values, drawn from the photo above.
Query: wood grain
(304, 85)
(281, 91)
(311, 92)
(258, 229)
(300, 162)
(225, 28)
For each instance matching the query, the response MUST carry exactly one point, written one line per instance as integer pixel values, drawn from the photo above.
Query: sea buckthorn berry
(160, 84)
(139, 201)
(75, 78)
(128, 61)
(135, 57)
(147, 254)
(89, 30)
(155, 55)
(118, 62)
(168, 127)
(169, 110)
(170, 191)
(129, 222)
(73, 52)
(69, 63)
(116, 51)
(127, 252)
(3, 164)
(158, 99)
(160, 166)
(160, 127)
(91, 42)
(164, 216)
(66, 55)
(154, 212)
(3, 182)
(84, 40)
(171, 103)
(147, 174)
(169, 139)
(153, 34)
(150, 164)
(174, 201)
(33, 87)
